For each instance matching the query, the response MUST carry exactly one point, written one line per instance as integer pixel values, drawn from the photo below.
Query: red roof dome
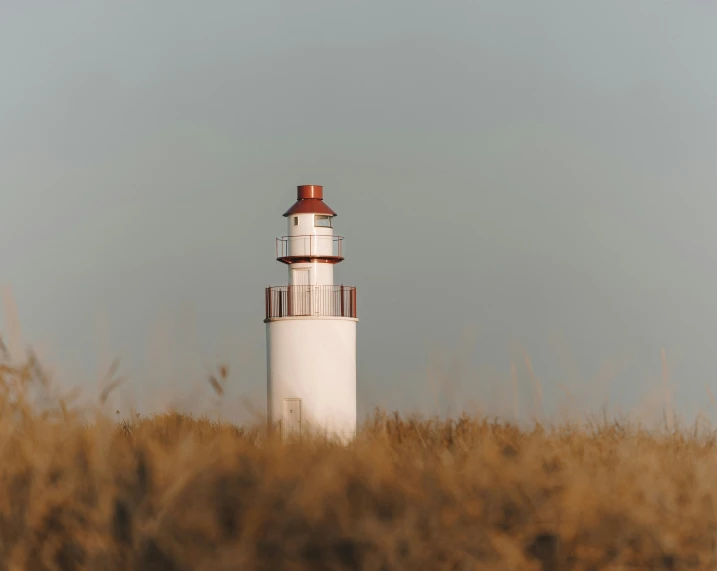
(310, 200)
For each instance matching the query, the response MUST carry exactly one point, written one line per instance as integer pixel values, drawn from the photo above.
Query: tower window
(296, 220)
(322, 221)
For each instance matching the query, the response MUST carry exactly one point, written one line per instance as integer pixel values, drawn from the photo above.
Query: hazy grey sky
(509, 177)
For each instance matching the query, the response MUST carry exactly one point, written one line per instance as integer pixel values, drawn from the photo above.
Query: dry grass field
(173, 493)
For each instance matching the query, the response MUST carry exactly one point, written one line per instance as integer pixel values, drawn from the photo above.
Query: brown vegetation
(176, 493)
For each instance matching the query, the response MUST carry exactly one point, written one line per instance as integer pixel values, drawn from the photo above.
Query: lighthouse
(311, 328)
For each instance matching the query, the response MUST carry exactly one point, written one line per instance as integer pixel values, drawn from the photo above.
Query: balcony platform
(309, 248)
(309, 259)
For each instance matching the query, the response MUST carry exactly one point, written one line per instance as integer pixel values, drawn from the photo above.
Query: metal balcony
(319, 301)
(309, 248)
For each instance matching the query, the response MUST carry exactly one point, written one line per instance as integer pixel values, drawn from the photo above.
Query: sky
(526, 191)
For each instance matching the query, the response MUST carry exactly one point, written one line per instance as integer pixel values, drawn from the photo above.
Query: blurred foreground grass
(176, 493)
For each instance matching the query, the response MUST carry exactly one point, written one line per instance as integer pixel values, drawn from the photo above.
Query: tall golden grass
(172, 492)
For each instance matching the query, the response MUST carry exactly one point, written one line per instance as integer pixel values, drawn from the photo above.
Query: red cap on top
(309, 191)
(310, 201)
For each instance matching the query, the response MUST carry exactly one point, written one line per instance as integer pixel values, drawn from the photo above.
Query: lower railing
(302, 300)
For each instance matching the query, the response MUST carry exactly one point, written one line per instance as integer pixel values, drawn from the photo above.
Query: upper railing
(302, 300)
(291, 249)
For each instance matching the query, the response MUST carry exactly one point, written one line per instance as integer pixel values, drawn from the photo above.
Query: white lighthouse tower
(311, 328)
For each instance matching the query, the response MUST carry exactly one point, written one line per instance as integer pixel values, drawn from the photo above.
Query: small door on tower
(300, 292)
(292, 419)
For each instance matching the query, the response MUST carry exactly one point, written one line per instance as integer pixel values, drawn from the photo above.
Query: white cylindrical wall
(320, 273)
(303, 224)
(306, 239)
(313, 359)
